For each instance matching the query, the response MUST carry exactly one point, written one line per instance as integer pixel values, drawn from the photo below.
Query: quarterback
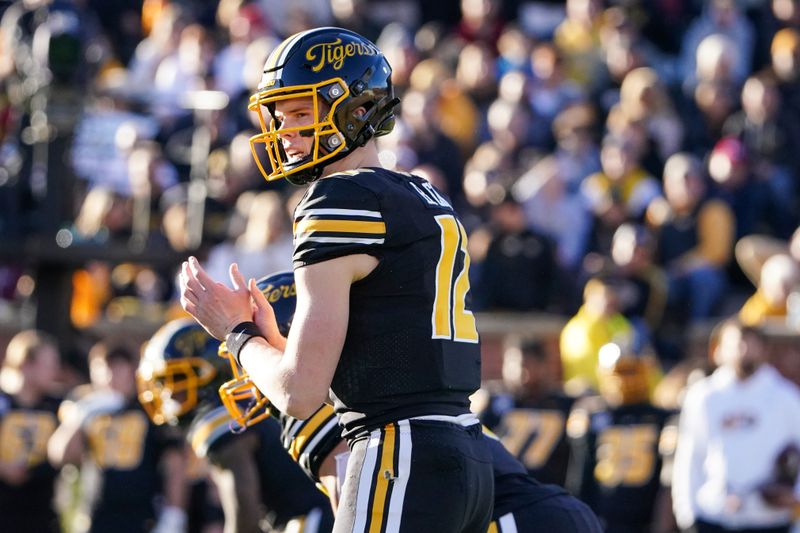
(383, 325)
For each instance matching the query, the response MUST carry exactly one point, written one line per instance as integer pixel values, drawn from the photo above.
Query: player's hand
(264, 317)
(215, 307)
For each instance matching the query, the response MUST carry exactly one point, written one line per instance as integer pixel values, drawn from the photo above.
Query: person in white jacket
(734, 425)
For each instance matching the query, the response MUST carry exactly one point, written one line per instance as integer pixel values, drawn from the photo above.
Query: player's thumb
(236, 277)
(262, 305)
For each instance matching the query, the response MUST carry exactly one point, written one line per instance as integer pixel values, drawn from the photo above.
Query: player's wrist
(239, 336)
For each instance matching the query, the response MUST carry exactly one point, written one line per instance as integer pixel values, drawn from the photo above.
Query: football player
(521, 503)
(530, 416)
(618, 442)
(27, 420)
(123, 456)
(178, 378)
(383, 316)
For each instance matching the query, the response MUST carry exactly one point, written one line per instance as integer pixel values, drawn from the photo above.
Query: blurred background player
(616, 457)
(27, 420)
(734, 427)
(259, 485)
(521, 503)
(530, 416)
(132, 471)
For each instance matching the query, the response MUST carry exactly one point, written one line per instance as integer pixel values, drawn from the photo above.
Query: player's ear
(359, 112)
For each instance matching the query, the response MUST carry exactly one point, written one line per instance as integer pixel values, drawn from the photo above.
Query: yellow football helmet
(340, 72)
(244, 402)
(623, 376)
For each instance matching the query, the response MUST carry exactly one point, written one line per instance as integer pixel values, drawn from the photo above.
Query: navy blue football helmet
(340, 72)
(245, 403)
(179, 370)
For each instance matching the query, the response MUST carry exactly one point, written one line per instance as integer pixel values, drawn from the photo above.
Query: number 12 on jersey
(451, 319)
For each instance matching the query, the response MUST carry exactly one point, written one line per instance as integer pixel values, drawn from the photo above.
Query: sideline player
(127, 463)
(530, 415)
(178, 378)
(383, 317)
(27, 420)
(620, 443)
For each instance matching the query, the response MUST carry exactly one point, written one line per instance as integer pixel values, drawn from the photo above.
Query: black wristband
(239, 336)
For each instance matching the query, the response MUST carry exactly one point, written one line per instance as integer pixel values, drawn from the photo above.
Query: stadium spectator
(769, 135)
(576, 149)
(513, 50)
(480, 22)
(756, 201)
(639, 282)
(704, 115)
(785, 52)
(643, 98)
(780, 274)
(724, 18)
(427, 141)
(619, 193)
(549, 92)
(754, 250)
(695, 235)
(596, 323)
(458, 117)
(516, 273)
(578, 39)
(552, 210)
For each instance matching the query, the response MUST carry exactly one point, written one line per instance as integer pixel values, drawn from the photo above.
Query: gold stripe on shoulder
(340, 226)
(205, 429)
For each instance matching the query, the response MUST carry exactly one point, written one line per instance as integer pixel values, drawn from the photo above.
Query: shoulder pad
(209, 429)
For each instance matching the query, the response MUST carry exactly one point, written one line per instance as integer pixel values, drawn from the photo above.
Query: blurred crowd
(632, 166)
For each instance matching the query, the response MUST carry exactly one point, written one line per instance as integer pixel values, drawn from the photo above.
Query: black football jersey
(533, 432)
(513, 487)
(617, 460)
(286, 491)
(24, 432)
(125, 449)
(412, 346)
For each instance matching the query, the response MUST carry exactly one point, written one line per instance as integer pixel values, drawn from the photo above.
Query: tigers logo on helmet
(244, 402)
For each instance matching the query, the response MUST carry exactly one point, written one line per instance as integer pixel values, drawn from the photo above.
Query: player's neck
(366, 156)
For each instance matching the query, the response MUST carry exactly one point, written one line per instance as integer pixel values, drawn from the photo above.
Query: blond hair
(21, 350)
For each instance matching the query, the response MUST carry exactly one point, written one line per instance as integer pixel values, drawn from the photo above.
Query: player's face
(44, 367)
(116, 374)
(743, 352)
(295, 113)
